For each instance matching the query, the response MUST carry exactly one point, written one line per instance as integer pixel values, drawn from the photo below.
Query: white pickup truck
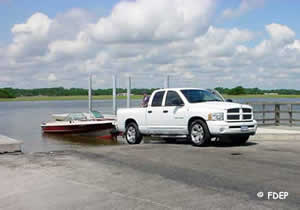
(196, 114)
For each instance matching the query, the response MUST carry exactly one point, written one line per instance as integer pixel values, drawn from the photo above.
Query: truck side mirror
(229, 100)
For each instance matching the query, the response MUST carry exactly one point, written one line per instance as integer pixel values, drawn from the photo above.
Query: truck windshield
(197, 96)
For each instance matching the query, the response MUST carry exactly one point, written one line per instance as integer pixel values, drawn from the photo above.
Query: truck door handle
(165, 111)
(150, 112)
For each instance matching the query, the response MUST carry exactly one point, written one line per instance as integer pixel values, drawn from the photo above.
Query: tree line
(239, 90)
(60, 91)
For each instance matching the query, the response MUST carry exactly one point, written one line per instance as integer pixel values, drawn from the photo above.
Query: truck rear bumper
(217, 128)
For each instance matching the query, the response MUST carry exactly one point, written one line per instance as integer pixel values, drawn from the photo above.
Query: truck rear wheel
(198, 133)
(132, 134)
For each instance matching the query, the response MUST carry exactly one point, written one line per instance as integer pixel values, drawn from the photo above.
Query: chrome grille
(233, 117)
(247, 110)
(247, 117)
(235, 110)
(239, 114)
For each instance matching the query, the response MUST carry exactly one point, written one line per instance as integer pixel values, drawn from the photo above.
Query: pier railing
(283, 113)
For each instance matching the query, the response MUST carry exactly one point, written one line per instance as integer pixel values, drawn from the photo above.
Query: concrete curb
(9, 145)
(277, 133)
(276, 137)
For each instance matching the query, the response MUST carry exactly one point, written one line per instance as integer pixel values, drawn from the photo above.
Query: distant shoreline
(64, 98)
(108, 97)
(260, 96)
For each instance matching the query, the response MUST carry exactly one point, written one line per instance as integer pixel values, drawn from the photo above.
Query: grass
(107, 97)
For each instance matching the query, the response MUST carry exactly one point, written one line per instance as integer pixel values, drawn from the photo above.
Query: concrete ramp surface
(8, 145)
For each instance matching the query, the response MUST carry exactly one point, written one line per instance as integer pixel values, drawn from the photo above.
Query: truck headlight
(216, 116)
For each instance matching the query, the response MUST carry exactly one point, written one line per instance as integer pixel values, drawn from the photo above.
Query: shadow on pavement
(212, 144)
(226, 144)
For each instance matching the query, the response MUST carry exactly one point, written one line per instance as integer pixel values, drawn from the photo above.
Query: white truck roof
(176, 89)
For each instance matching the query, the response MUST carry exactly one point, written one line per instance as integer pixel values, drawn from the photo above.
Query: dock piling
(90, 93)
(114, 95)
(129, 93)
(284, 113)
(277, 114)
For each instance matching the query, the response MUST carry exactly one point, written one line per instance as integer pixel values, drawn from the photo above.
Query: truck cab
(193, 113)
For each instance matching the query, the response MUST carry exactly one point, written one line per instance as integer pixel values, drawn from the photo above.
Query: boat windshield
(76, 116)
(198, 96)
(97, 114)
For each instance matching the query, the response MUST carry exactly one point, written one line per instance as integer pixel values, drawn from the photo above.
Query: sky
(198, 43)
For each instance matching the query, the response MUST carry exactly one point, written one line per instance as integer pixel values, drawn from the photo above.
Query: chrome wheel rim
(131, 133)
(197, 133)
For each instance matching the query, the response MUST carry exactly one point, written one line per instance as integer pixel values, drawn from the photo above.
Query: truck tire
(198, 133)
(239, 139)
(132, 134)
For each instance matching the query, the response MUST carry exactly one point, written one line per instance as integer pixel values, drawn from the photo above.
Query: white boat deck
(78, 122)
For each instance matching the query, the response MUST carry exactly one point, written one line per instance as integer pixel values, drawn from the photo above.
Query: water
(21, 120)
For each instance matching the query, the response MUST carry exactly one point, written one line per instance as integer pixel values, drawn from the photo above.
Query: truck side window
(157, 99)
(173, 99)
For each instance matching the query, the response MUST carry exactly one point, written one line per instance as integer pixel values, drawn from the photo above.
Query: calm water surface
(21, 120)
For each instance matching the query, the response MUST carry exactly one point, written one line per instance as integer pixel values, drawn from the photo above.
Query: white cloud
(294, 45)
(66, 26)
(280, 33)
(188, 75)
(148, 40)
(220, 42)
(245, 6)
(37, 25)
(5, 79)
(60, 48)
(41, 34)
(145, 20)
(52, 77)
(30, 37)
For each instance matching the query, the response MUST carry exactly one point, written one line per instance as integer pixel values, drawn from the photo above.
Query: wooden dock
(9, 145)
(281, 113)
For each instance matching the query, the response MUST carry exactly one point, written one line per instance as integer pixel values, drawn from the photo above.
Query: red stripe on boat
(108, 137)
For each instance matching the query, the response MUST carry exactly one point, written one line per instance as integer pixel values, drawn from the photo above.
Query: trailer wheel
(198, 133)
(132, 134)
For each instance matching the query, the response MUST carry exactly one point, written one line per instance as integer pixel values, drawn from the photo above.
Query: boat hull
(76, 128)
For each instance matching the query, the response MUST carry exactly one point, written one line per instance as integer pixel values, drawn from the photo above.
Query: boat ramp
(9, 145)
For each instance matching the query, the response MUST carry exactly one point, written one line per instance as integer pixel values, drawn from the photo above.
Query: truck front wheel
(198, 133)
(132, 134)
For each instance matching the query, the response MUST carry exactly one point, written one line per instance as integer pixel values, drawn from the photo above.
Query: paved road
(154, 176)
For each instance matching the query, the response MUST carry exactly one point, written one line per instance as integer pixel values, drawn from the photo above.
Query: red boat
(92, 122)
